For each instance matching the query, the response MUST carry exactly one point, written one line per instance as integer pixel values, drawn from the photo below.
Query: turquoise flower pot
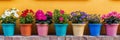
(61, 29)
(8, 29)
(95, 29)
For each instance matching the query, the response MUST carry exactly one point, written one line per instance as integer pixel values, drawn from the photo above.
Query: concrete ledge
(53, 37)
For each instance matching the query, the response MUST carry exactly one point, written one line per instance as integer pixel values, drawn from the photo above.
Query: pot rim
(95, 24)
(78, 24)
(25, 24)
(60, 24)
(41, 24)
(8, 24)
(111, 24)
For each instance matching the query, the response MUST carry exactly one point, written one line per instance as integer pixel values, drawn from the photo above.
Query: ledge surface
(53, 37)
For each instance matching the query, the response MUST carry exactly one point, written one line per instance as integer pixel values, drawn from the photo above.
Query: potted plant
(61, 22)
(78, 20)
(26, 20)
(8, 19)
(94, 24)
(42, 22)
(111, 21)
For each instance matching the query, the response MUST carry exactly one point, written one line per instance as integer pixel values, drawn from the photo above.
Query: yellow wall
(89, 6)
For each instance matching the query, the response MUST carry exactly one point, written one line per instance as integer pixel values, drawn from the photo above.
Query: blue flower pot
(8, 29)
(95, 29)
(61, 29)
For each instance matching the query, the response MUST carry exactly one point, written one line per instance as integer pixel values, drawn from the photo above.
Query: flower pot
(60, 29)
(25, 29)
(95, 29)
(111, 29)
(78, 29)
(8, 29)
(42, 29)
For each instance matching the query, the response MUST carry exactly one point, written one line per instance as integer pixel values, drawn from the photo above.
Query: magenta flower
(61, 11)
(118, 16)
(61, 18)
(40, 15)
(104, 16)
(49, 13)
(44, 17)
(113, 14)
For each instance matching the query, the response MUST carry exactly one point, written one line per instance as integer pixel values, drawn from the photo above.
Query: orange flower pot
(25, 29)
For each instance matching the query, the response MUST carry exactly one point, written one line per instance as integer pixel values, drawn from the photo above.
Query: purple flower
(73, 14)
(89, 17)
(80, 18)
(83, 16)
(83, 13)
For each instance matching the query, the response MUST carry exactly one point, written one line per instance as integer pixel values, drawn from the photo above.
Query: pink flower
(118, 15)
(61, 18)
(113, 14)
(104, 16)
(40, 15)
(49, 13)
(61, 11)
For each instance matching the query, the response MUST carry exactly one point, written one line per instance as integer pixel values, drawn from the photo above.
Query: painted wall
(89, 6)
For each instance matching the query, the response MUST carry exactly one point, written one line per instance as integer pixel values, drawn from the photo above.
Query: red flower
(61, 11)
(24, 13)
(31, 11)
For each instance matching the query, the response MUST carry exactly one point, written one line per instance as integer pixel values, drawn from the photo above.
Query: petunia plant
(111, 18)
(60, 17)
(27, 16)
(10, 16)
(78, 17)
(93, 18)
(42, 18)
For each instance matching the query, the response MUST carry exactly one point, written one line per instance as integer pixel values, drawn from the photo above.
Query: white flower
(7, 13)
(14, 11)
(3, 16)
(16, 15)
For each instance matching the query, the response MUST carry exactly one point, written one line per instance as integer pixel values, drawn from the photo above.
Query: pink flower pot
(111, 29)
(42, 29)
